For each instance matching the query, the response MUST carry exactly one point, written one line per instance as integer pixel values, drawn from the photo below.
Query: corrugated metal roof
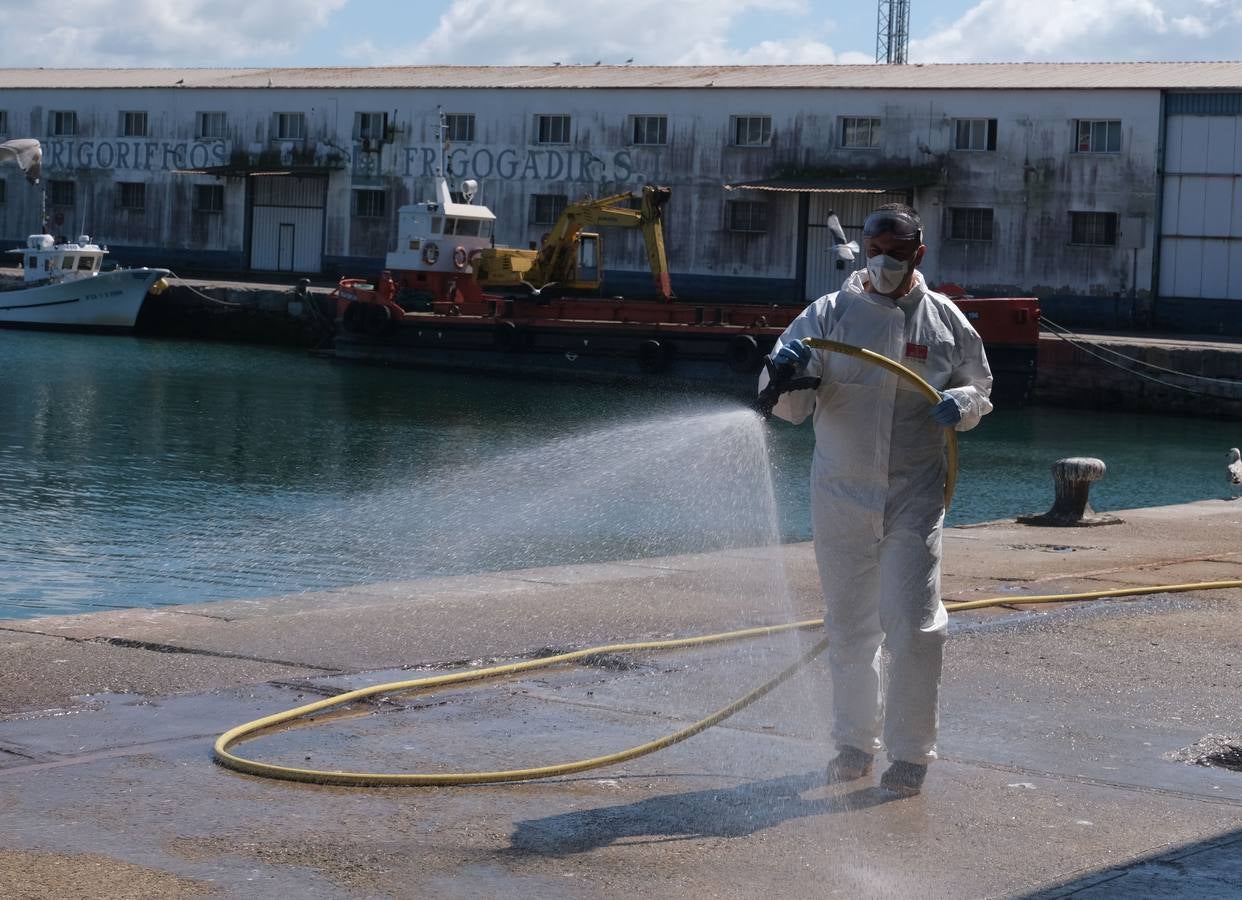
(941, 76)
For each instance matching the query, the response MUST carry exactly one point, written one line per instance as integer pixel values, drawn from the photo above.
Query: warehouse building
(1109, 190)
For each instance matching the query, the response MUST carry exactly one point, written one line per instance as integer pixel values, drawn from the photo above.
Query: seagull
(630, 60)
(1234, 471)
(537, 292)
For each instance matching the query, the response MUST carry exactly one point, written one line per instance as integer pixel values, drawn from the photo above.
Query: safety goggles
(900, 225)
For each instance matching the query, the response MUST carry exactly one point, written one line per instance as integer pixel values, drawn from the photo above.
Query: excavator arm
(557, 259)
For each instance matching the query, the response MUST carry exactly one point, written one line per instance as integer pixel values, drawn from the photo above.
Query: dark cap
(902, 223)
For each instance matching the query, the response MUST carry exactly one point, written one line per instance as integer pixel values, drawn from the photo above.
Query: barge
(449, 298)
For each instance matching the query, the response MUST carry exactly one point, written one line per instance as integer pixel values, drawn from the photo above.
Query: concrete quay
(1061, 731)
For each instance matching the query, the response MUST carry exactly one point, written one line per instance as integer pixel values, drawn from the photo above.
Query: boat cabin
(45, 260)
(441, 235)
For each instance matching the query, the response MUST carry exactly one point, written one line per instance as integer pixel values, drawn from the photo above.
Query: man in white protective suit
(877, 490)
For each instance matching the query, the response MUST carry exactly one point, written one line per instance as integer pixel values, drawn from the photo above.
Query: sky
(261, 33)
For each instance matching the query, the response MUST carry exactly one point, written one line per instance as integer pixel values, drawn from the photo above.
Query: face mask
(886, 273)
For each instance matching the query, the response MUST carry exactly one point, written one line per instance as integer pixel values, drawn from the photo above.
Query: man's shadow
(723, 812)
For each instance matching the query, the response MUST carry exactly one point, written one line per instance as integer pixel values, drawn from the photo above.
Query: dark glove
(946, 412)
(795, 353)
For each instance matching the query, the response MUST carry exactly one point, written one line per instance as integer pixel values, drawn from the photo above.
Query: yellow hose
(950, 480)
(376, 779)
(252, 729)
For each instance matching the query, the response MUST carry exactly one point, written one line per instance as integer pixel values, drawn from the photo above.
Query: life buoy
(743, 354)
(431, 253)
(459, 257)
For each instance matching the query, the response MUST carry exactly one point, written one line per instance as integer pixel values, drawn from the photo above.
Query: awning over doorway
(256, 171)
(868, 181)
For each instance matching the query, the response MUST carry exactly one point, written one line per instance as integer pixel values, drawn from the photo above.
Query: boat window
(85, 264)
(485, 228)
(67, 262)
(468, 227)
(436, 224)
(47, 264)
(32, 262)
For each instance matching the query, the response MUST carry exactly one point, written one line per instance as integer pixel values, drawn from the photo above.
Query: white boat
(63, 285)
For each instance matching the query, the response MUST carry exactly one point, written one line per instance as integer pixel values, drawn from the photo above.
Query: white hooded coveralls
(877, 500)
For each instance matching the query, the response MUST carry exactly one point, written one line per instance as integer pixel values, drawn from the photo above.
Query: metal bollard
(1072, 479)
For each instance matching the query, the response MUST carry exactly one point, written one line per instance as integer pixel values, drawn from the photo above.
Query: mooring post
(1071, 479)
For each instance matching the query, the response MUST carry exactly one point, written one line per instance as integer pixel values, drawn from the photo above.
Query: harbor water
(140, 472)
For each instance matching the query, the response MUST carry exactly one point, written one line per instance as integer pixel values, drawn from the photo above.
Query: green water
(145, 472)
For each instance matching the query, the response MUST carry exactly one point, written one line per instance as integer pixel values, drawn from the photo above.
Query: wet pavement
(1058, 725)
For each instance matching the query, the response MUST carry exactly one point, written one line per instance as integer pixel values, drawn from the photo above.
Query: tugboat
(448, 298)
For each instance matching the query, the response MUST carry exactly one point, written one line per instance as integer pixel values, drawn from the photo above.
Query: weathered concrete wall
(1093, 378)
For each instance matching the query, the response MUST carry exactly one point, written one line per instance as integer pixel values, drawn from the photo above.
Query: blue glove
(946, 412)
(796, 354)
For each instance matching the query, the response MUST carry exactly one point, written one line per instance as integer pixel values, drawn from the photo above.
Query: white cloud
(1071, 31)
(158, 33)
(651, 32)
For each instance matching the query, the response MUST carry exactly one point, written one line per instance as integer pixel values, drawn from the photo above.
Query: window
(459, 128)
(60, 193)
(551, 129)
(86, 263)
(62, 123)
(860, 132)
(464, 227)
(752, 131)
(650, 130)
(131, 195)
(370, 126)
(747, 215)
(1094, 229)
(970, 224)
(211, 125)
(209, 198)
(975, 134)
(3, 198)
(545, 209)
(133, 124)
(4, 121)
(290, 126)
(1098, 135)
(369, 204)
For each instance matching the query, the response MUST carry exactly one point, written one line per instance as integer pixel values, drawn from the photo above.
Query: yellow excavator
(571, 259)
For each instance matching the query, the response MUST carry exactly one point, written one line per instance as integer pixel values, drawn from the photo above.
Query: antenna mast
(892, 39)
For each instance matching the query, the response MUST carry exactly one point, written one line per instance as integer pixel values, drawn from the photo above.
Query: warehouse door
(823, 275)
(286, 224)
(1201, 218)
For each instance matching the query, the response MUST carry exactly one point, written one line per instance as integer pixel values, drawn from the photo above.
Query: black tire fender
(378, 319)
(743, 355)
(654, 356)
(353, 317)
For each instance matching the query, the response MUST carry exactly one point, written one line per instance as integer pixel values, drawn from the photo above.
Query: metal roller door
(1201, 210)
(287, 223)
